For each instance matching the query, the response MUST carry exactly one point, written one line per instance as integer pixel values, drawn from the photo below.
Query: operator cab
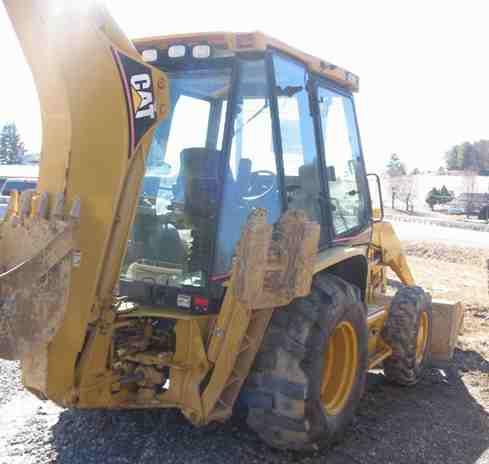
(263, 126)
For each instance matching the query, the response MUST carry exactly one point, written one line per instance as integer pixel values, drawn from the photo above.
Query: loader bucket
(447, 324)
(36, 256)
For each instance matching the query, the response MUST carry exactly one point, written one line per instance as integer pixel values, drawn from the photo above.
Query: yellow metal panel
(165, 313)
(188, 368)
(378, 350)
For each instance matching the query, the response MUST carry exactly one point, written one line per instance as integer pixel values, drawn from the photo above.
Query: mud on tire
(283, 391)
(406, 365)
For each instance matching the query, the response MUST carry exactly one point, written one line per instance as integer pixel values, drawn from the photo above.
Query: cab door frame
(361, 234)
(326, 229)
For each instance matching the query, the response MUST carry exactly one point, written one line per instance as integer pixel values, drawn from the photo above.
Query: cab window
(297, 135)
(172, 234)
(344, 166)
(250, 174)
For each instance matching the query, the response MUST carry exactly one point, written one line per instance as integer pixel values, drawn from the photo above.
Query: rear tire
(408, 332)
(294, 400)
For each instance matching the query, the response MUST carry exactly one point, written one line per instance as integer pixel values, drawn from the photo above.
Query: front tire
(310, 372)
(408, 331)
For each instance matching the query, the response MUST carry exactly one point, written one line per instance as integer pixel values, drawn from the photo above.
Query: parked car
(456, 209)
(11, 184)
(484, 213)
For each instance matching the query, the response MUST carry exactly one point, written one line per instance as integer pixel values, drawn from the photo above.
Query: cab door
(303, 182)
(347, 197)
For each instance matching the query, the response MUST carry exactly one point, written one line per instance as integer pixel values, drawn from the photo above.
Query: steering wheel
(261, 183)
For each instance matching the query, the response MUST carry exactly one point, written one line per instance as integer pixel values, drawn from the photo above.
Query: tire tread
(286, 366)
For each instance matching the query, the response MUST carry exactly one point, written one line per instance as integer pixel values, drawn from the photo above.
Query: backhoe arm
(61, 249)
(385, 239)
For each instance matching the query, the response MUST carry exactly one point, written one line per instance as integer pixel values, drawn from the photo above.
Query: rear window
(19, 185)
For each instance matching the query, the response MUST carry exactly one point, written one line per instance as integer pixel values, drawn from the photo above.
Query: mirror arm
(377, 178)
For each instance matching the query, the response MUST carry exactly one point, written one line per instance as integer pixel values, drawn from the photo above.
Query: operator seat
(309, 192)
(197, 192)
(197, 183)
(153, 240)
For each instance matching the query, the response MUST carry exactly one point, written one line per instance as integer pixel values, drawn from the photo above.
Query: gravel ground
(10, 383)
(444, 419)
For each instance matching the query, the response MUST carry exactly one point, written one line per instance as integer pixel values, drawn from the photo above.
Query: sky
(423, 65)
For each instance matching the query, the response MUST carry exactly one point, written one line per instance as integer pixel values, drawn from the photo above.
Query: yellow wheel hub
(340, 368)
(422, 338)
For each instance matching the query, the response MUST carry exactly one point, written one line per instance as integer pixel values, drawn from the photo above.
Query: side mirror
(377, 212)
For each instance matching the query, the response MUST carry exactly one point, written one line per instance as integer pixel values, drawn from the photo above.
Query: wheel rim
(340, 368)
(422, 338)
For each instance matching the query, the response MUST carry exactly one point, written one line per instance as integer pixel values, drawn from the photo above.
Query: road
(447, 235)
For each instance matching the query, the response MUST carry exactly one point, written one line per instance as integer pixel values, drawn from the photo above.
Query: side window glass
(250, 178)
(344, 168)
(297, 134)
(180, 137)
(177, 206)
(252, 140)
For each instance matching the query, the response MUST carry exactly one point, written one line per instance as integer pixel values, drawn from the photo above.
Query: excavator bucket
(99, 105)
(37, 252)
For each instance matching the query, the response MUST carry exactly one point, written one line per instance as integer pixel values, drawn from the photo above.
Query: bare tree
(469, 189)
(407, 191)
(392, 189)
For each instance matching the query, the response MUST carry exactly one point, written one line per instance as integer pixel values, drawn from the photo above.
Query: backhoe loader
(202, 235)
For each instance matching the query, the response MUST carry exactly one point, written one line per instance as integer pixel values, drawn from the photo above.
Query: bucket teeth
(35, 205)
(59, 204)
(26, 199)
(13, 204)
(41, 210)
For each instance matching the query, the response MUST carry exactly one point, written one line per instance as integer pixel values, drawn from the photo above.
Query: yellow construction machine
(202, 236)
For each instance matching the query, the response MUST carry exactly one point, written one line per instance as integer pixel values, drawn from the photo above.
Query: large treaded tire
(401, 331)
(283, 391)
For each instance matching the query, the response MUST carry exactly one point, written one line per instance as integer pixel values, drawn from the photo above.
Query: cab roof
(252, 41)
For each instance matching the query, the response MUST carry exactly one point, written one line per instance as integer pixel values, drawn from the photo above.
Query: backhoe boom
(99, 106)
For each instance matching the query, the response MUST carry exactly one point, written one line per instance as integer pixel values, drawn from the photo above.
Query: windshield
(171, 239)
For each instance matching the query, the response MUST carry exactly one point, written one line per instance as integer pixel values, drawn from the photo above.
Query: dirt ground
(444, 419)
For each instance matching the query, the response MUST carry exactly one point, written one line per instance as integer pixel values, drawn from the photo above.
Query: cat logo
(137, 83)
(142, 96)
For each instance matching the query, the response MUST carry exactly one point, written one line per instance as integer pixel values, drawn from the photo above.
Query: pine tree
(395, 167)
(445, 196)
(433, 197)
(11, 146)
